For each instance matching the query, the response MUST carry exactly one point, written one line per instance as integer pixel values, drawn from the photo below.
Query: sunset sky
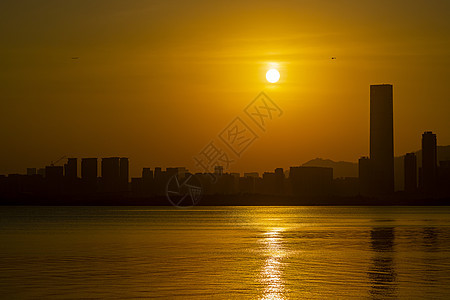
(156, 81)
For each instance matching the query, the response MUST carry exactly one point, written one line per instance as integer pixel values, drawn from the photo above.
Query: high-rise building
(158, 172)
(182, 171)
(31, 171)
(89, 169)
(137, 187)
(382, 138)
(110, 167)
(147, 181)
(429, 161)
(279, 181)
(444, 178)
(251, 174)
(89, 174)
(147, 174)
(171, 171)
(410, 173)
(110, 174)
(268, 183)
(71, 168)
(159, 181)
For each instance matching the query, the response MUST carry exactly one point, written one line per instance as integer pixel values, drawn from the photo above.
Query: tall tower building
(429, 161)
(382, 138)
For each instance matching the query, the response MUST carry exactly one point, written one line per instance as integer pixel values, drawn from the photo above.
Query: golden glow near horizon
(210, 63)
(273, 75)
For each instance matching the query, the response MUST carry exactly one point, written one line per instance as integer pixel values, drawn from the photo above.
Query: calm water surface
(225, 252)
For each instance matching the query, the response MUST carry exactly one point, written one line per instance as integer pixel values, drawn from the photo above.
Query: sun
(273, 75)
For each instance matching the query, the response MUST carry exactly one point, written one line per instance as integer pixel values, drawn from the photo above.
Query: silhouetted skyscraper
(89, 170)
(71, 168)
(410, 173)
(429, 161)
(382, 138)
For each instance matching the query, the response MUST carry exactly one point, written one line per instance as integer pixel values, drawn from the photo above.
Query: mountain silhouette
(340, 168)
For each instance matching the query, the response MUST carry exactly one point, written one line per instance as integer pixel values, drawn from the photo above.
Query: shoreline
(227, 200)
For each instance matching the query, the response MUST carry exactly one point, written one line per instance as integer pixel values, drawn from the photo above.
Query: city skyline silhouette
(169, 86)
(425, 179)
(290, 149)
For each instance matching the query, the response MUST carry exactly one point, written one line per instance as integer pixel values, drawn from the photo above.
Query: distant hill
(350, 169)
(340, 168)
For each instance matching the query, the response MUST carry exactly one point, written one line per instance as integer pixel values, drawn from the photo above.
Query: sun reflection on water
(271, 273)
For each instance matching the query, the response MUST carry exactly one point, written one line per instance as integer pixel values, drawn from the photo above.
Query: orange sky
(158, 80)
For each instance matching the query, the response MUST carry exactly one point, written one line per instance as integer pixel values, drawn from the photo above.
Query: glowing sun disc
(273, 75)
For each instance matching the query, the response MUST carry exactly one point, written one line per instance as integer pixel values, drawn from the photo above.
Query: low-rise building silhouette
(124, 174)
(429, 162)
(31, 171)
(410, 168)
(311, 181)
(365, 176)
